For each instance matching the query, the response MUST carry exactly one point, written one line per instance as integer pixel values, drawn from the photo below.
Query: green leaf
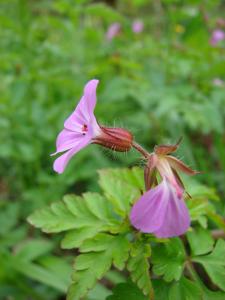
(184, 289)
(32, 249)
(124, 291)
(199, 205)
(121, 187)
(116, 246)
(198, 209)
(104, 11)
(104, 250)
(217, 219)
(168, 259)
(138, 265)
(214, 264)
(161, 289)
(55, 218)
(200, 240)
(89, 211)
(75, 238)
(99, 292)
(198, 191)
(209, 295)
(9, 213)
(115, 277)
(40, 274)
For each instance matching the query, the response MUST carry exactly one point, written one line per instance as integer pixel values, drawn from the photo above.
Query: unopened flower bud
(117, 139)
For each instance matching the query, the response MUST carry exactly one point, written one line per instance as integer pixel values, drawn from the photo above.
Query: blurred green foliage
(160, 84)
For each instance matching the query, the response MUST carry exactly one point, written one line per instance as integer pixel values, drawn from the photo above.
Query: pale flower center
(166, 172)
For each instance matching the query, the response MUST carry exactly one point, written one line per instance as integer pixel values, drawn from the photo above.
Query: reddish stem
(140, 149)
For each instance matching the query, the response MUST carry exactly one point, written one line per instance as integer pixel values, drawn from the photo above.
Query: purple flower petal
(84, 112)
(177, 220)
(66, 140)
(148, 212)
(79, 129)
(161, 211)
(61, 162)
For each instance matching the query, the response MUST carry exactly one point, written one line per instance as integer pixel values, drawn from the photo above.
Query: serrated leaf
(138, 265)
(91, 210)
(116, 246)
(124, 291)
(168, 259)
(74, 212)
(55, 218)
(214, 264)
(185, 289)
(90, 267)
(75, 238)
(121, 187)
(161, 289)
(200, 240)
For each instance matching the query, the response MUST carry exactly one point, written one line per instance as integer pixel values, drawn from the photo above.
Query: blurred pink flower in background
(218, 82)
(137, 26)
(113, 30)
(217, 36)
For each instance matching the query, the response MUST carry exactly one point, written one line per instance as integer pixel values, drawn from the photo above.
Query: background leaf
(214, 264)
(125, 291)
(200, 240)
(168, 259)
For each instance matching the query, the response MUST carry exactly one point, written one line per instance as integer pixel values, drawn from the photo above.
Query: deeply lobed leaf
(103, 251)
(214, 264)
(168, 259)
(138, 265)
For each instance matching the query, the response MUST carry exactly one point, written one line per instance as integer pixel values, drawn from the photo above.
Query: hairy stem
(140, 149)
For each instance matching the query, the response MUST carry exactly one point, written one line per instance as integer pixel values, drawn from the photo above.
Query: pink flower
(137, 26)
(162, 210)
(113, 30)
(217, 36)
(82, 129)
(218, 82)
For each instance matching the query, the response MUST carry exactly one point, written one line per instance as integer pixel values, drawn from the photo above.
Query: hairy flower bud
(117, 139)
